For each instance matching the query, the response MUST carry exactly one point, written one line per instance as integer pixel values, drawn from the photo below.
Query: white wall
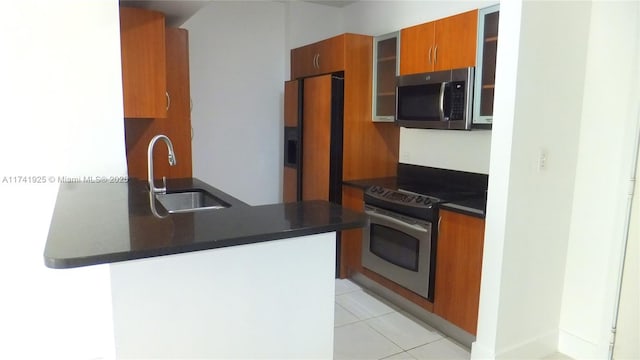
(236, 52)
(238, 302)
(381, 17)
(61, 96)
(500, 162)
(456, 150)
(603, 171)
(527, 232)
(627, 345)
(307, 23)
(553, 238)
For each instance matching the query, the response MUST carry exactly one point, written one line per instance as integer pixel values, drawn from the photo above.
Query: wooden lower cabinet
(351, 240)
(458, 269)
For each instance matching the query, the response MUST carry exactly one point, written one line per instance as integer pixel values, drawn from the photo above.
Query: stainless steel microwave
(436, 100)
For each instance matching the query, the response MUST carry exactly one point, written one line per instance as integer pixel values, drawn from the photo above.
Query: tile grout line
(398, 353)
(393, 310)
(345, 309)
(419, 323)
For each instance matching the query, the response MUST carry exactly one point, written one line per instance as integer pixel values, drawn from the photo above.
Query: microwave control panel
(456, 100)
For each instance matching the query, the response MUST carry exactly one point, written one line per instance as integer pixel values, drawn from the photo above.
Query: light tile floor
(368, 328)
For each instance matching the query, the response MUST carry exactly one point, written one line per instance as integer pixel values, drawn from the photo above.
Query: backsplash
(453, 150)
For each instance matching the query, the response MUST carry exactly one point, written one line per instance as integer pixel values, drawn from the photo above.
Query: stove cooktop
(417, 190)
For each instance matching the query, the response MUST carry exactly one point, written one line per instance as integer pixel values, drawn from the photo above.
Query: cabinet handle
(318, 61)
(435, 55)
(430, 48)
(439, 221)
(168, 100)
(192, 133)
(190, 104)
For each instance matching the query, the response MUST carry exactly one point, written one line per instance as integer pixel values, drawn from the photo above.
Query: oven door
(398, 247)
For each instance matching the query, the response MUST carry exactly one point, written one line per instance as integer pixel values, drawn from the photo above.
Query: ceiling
(177, 12)
(336, 3)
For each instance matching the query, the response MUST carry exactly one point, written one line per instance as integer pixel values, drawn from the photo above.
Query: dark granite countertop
(386, 182)
(96, 223)
(475, 206)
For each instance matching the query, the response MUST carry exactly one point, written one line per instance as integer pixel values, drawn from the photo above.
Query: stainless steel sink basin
(191, 200)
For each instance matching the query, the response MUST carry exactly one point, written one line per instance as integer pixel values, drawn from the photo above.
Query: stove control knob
(419, 199)
(380, 190)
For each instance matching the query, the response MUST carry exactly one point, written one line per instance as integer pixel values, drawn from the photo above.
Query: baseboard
(481, 352)
(539, 347)
(579, 348)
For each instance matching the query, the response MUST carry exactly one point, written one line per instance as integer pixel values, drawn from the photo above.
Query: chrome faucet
(172, 161)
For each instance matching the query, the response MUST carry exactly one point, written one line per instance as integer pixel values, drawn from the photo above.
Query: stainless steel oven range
(400, 241)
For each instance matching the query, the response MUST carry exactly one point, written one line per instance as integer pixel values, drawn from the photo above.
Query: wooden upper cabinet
(416, 48)
(448, 43)
(176, 123)
(323, 57)
(458, 269)
(456, 41)
(142, 41)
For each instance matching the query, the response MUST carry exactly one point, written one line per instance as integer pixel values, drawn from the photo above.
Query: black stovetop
(419, 190)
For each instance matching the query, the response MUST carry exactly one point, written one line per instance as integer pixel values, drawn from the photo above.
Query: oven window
(394, 246)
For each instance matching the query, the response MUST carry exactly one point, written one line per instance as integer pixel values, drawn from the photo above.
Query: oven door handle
(392, 220)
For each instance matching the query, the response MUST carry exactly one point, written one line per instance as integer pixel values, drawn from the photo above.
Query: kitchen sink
(190, 200)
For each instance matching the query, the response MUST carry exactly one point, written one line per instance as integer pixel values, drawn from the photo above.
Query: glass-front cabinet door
(385, 69)
(486, 65)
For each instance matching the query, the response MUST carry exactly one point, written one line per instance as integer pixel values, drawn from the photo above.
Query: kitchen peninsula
(242, 281)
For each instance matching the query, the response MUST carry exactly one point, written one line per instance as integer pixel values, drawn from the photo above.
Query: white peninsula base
(272, 299)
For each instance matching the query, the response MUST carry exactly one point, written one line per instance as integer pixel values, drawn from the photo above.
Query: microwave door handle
(441, 100)
(389, 219)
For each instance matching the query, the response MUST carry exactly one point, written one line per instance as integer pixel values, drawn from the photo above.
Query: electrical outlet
(542, 159)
